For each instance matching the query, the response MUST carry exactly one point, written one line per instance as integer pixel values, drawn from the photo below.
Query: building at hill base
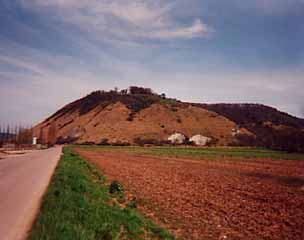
(200, 140)
(177, 138)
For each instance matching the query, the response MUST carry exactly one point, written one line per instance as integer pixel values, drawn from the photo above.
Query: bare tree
(16, 134)
(52, 134)
(41, 136)
(24, 136)
(124, 91)
(1, 136)
(19, 135)
(7, 135)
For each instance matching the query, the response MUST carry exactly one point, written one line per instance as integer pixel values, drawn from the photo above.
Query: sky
(53, 52)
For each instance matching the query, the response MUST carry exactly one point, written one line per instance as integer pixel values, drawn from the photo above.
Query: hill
(141, 116)
(272, 128)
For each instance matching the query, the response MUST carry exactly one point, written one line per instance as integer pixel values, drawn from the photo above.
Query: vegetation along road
(80, 204)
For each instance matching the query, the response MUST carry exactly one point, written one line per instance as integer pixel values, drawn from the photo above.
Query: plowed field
(208, 199)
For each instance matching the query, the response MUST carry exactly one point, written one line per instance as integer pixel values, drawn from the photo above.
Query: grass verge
(78, 205)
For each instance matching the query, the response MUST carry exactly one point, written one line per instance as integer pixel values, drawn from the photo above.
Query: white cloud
(198, 29)
(38, 95)
(21, 64)
(122, 19)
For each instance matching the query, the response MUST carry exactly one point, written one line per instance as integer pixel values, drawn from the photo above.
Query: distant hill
(245, 114)
(139, 115)
(272, 128)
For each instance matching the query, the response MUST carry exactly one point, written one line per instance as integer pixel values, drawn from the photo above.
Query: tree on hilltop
(140, 90)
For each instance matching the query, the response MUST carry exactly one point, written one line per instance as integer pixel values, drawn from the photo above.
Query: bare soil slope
(121, 117)
(116, 122)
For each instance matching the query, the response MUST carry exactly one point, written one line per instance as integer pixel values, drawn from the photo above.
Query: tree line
(16, 135)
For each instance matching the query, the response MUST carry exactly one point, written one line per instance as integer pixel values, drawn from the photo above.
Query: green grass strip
(204, 153)
(77, 206)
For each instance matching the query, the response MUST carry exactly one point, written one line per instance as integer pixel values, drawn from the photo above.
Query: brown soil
(201, 199)
(120, 119)
(157, 122)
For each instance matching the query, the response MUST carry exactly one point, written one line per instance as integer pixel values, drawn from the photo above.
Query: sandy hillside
(155, 122)
(142, 116)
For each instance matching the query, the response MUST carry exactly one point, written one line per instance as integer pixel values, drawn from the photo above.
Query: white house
(177, 138)
(200, 140)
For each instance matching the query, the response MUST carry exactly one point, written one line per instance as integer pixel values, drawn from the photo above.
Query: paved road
(23, 181)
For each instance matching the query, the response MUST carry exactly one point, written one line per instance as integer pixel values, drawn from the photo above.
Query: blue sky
(55, 51)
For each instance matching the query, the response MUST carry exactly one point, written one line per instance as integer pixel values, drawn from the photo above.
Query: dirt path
(23, 180)
(199, 199)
